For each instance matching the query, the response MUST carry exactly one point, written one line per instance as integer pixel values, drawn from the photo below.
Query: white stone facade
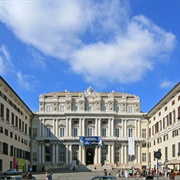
(14, 130)
(164, 130)
(64, 116)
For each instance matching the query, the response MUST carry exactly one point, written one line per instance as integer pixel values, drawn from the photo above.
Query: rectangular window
(173, 150)
(11, 134)
(166, 153)
(179, 149)
(48, 132)
(75, 132)
(16, 121)
(74, 108)
(89, 132)
(61, 132)
(144, 133)
(12, 118)
(62, 153)
(130, 132)
(34, 156)
(61, 108)
(7, 114)
(143, 157)
(2, 111)
(104, 132)
(117, 132)
(48, 108)
(130, 109)
(6, 132)
(34, 133)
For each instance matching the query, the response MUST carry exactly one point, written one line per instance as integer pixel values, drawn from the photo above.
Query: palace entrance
(89, 156)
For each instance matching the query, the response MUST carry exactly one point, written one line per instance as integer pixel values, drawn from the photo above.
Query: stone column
(109, 127)
(83, 127)
(122, 128)
(99, 154)
(96, 155)
(57, 133)
(80, 154)
(57, 154)
(139, 154)
(125, 154)
(39, 153)
(67, 127)
(70, 153)
(96, 127)
(135, 130)
(40, 128)
(125, 126)
(53, 154)
(83, 155)
(80, 127)
(67, 154)
(70, 127)
(112, 154)
(43, 155)
(54, 127)
(43, 128)
(112, 127)
(99, 127)
(139, 128)
(121, 155)
(109, 153)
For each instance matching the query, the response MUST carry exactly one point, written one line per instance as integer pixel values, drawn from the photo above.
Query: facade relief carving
(137, 107)
(68, 105)
(55, 106)
(41, 106)
(124, 107)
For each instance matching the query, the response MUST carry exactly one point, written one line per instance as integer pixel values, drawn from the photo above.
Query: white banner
(131, 146)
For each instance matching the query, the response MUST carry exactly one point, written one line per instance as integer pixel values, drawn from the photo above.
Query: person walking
(172, 175)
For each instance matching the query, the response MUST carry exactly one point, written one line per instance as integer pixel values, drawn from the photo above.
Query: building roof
(15, 94)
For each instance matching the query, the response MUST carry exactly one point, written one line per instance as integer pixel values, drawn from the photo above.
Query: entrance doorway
(89, 156)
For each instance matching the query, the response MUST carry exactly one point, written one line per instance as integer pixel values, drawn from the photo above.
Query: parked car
(14, 178)
(11, 171)
(104, 177)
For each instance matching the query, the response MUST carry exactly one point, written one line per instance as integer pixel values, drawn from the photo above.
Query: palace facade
(89, 128)
(63, 117)
(15, 123)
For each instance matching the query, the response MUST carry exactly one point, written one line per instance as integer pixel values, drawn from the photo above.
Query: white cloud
(100, 40)
(26, 81)
(166, 84)
(7, 67)
(5, 60)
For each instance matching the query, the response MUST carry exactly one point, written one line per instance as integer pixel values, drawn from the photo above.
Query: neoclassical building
(164, 130)
(113, 118)
(15, 127)
(89, 128)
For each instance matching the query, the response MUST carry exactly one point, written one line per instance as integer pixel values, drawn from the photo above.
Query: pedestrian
(105, 172)
(126, 173)
(46, 175)
(172, 175)
(29, 175)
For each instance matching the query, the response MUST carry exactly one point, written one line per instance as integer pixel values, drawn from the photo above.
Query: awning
(173, 162)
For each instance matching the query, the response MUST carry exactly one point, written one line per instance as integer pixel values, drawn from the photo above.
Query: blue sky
(126, 46)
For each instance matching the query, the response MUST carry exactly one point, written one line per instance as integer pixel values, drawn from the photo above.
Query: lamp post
(157, 155)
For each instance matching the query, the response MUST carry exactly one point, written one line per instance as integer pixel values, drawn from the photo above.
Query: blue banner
(90, 140)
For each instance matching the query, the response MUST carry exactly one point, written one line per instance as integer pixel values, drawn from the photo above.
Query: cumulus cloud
(100, 40)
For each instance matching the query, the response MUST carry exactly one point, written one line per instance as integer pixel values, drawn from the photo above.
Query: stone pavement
(65, 174)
